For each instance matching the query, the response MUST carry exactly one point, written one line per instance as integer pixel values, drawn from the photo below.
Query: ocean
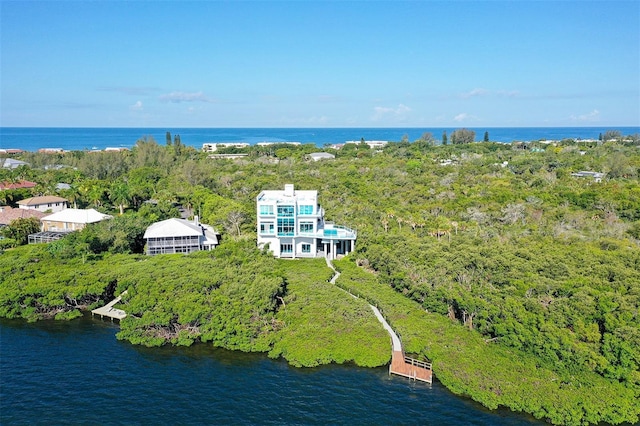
(34, 138)
(77, 373)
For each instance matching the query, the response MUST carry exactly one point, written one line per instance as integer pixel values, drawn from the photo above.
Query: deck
(402, 365)
(109, 311)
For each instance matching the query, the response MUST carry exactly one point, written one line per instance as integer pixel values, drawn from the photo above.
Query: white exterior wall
(271, 200)
(48, 207)
(292, 237)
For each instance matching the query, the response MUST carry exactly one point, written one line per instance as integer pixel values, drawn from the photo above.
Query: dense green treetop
(497, 249)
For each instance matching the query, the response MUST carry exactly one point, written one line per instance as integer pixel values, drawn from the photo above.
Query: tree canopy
(490, 259)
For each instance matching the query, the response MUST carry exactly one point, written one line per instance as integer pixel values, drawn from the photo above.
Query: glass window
(266, 227)
(286, 226)
(306, 248)
(305, 209)
(286, 211)
(266, 210)
(306, 227)
(286, 248)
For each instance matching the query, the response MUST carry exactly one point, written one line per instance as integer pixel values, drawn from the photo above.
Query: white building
(291, 223)
(213, 147)
(179, 236)
(10, 163)
(47, 203)
(277, 143)
(68, 220)
(317, 156)
(372, 144)
(597, 176)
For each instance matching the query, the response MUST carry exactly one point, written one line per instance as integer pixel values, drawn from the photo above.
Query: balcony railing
(336, 231)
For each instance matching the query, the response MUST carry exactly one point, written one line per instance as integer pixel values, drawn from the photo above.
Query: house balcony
(336, 232)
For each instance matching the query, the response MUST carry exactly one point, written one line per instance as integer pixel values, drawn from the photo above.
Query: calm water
(78, 373)
(32, 139)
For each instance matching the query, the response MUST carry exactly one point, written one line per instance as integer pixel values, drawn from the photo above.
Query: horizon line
(336, 127)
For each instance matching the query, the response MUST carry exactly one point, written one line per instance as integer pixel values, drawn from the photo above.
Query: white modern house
(47, 203)
(179, 236)
(291, 224)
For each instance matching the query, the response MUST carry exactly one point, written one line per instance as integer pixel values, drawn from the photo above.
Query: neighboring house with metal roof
(179, 236)
(291, 223)
(10, 163)
(47, 203)
(596, 176)
(9, 214)
(316, 156)
(72, 219)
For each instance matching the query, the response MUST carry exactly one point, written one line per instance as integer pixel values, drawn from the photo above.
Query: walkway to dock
(400, 364)
(109, 311)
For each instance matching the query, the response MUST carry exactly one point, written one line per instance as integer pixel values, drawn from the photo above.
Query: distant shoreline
(87, 138)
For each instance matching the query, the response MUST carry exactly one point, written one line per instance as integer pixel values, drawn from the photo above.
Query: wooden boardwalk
(401, 365)
(109, 311)
(411, 368)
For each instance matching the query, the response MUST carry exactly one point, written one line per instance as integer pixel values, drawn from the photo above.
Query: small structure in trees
(317, 156)
(596, 176)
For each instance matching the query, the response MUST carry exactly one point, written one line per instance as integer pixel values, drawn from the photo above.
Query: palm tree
(120, 195)
(93, 191)
(72, 195)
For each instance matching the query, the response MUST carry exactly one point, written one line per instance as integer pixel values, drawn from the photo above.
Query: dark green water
(78, 373)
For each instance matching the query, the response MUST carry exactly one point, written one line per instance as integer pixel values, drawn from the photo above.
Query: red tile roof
(8, 214)
(17, 185)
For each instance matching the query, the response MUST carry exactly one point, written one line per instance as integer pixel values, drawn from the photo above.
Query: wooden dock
(402, 365)
(109, 311)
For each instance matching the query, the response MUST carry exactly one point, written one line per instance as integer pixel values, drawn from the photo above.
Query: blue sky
(319, 64)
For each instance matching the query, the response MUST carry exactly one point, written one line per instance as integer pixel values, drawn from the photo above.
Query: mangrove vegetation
(514, 273)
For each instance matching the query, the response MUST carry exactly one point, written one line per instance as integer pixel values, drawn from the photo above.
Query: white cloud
(464, 117)
(461, 117)
(177, 97)
(397, 114)
(589, 117)
(136, 107)
(474, 93)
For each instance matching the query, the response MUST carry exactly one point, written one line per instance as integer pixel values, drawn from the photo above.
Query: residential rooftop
(35, 201)
(290, 194)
